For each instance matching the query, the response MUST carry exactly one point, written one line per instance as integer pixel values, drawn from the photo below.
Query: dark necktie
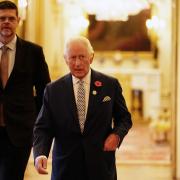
(81, 105)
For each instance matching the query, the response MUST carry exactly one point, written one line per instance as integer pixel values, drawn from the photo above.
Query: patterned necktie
(4, 65)
(81, 105)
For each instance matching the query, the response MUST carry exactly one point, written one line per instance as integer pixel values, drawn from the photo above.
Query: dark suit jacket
(20, 102)
(73, 152)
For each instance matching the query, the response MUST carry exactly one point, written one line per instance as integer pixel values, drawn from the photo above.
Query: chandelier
(114, 10)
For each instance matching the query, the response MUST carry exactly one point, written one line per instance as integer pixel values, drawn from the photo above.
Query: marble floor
(124, 171)
(140, 145)
(139, 157)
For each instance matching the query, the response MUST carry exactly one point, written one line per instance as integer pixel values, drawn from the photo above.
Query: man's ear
(18, 19)
(91, 58)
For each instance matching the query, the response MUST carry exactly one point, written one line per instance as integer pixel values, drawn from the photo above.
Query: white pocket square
(106, 98)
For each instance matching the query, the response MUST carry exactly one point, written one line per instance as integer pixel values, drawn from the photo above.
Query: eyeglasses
(5, 18)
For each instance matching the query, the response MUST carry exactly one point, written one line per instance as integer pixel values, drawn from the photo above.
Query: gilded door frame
(174, 90)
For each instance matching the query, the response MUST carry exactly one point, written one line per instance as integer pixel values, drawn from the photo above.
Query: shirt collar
(11, 45)
(86, 79)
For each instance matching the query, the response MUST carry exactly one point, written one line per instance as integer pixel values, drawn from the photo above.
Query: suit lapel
(94, 98)
(71, 100)
(19, 57)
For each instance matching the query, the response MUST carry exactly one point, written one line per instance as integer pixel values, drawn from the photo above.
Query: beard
(6, 32)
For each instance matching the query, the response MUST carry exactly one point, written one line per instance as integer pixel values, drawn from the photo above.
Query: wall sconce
(155, 24)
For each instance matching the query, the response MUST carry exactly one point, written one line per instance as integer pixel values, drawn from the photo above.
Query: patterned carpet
(139, 146)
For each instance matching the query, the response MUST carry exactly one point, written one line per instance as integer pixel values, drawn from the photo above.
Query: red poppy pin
(98, 83)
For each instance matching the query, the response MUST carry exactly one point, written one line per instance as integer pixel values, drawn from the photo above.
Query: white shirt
(87, 81)
(11, 53)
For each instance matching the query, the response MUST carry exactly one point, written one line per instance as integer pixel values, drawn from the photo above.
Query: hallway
(153, 76)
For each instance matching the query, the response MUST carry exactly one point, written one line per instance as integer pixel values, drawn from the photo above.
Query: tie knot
(4, 48)
(80, 82)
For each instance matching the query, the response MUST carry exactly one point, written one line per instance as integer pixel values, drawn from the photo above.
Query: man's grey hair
(77, 39)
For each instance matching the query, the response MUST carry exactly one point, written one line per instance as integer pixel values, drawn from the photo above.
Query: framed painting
(131, 35)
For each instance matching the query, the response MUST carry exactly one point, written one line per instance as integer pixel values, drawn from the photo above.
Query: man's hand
(41, 164)
(111, 142)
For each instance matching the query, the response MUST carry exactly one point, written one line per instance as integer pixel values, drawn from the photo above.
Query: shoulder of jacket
(27, 43)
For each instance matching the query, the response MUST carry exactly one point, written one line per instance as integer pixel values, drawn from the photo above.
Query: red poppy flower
(98, 83)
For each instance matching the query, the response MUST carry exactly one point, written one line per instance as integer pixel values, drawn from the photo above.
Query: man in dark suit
(22, 83)
(84, 149)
